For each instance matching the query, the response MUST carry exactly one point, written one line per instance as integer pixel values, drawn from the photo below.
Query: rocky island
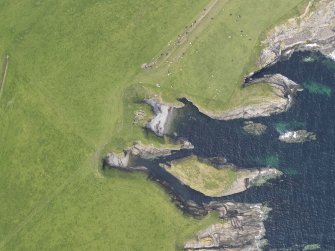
(299, 136)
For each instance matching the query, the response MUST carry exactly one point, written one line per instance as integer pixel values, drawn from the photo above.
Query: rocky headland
(126, 160)
(241, 228)
(284, 89)
(314, 30)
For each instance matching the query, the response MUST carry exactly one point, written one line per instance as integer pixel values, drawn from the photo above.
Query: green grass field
(213, 64)
(65, 103)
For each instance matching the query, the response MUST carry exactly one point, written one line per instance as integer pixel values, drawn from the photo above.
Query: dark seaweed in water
(303, 201)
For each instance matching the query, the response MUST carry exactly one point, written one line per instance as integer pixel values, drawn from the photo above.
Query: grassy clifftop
(202, 176)
(210, 64)
(66, 100)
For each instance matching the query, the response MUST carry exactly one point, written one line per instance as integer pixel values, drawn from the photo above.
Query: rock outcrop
(299, 136)
(255, 129)
(284, 88)
(160, 123)
(124, 161)
(241, 228)
(252, 177)
(314, 30)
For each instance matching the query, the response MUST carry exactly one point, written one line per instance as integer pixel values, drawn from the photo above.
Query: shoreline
(239, 225)
(284, 88)
(297, 34)
(281, 43)
(313, 31)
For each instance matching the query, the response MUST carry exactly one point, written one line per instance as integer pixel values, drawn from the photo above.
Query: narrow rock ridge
(252, 177)
(124, 161)
(241, 228)
(283, 87)
(314, 30)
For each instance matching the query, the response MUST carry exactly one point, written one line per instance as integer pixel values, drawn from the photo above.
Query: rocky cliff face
(314, 30)
(160, 123)
(241, 228)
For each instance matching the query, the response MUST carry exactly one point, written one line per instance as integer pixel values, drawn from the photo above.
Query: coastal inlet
(299, 142)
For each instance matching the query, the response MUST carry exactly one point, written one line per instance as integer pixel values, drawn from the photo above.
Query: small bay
(303, 200)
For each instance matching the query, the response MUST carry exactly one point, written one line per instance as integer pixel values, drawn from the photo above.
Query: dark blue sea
(303, 200)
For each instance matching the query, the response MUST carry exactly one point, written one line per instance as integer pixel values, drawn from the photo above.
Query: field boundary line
(4, 75)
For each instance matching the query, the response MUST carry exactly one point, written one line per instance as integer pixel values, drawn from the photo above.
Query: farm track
(175, 49)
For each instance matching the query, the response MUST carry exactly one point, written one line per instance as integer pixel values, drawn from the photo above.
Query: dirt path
(175, 49)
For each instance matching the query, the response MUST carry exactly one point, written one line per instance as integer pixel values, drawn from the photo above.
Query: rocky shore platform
(241, 228)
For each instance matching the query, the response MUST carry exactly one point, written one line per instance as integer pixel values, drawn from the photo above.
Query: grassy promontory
(202, 176)
(216, 181)
(209, 67)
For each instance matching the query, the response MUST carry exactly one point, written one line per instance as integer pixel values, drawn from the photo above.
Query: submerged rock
(242, 228)
(299, 136)
(256, 129)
